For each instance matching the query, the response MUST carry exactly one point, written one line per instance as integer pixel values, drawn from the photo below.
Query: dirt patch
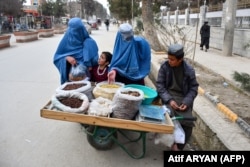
(227, 93)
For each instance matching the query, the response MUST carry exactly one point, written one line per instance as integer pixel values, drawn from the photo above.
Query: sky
(103, 2)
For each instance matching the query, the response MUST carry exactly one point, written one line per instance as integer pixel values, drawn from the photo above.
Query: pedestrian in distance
(131, 59)
(177, 88)
(205, 35)
(107, 24)
(76, 47)
(100, 73)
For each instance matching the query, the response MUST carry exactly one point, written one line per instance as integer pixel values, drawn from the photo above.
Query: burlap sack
(125, 105)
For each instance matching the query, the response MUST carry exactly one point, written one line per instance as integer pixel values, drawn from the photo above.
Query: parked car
(87, 25)
(94, 24)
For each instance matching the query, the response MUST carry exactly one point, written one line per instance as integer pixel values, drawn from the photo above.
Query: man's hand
(175, 106)
(183, 107)
(111, 76)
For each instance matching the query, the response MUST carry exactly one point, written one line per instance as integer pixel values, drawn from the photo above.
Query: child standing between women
(100, 73)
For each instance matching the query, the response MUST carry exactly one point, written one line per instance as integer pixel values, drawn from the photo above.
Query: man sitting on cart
(177, 87)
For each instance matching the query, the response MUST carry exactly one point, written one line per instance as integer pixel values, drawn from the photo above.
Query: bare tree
(148, 25)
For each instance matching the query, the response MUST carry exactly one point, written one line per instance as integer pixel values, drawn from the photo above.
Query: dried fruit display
(132, 93)
(74, 86)
(71, 102)
(110, 86)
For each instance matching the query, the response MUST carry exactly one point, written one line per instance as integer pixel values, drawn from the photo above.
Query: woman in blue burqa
(131, 59)
(76, 47)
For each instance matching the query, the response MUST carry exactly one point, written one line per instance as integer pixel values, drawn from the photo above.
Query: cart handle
(184, 118)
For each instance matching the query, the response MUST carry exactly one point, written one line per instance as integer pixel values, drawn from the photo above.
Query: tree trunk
(148, 25)
(229, 28)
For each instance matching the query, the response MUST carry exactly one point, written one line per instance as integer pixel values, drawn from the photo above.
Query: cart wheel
(98, 140)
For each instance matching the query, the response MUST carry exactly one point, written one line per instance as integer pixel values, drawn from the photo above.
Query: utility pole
(231, 7)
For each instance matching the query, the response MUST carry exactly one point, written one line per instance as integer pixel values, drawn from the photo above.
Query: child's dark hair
(108, 56)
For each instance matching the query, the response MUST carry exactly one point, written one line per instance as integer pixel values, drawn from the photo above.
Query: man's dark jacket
(189, 85)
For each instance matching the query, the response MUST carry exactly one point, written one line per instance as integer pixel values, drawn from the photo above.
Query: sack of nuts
(70, 102)
(77, 86)
(126, 103)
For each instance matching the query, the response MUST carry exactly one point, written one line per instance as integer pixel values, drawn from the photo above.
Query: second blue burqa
(131, 58)
(78, 44)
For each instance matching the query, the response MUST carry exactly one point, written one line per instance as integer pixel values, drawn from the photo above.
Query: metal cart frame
(102, 131)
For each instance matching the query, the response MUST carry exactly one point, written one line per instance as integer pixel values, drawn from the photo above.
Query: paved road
(28, 80)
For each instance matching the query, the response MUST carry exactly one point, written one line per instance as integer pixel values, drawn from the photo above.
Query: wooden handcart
(102, 131)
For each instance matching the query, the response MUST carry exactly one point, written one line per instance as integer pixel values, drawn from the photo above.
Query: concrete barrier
(59, 30)
(25, 36)
(4, 41)
(43, 33)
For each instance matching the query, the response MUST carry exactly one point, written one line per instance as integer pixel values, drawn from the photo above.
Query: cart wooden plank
(166, 127)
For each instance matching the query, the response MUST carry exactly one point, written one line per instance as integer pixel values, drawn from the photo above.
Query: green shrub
(244, 79)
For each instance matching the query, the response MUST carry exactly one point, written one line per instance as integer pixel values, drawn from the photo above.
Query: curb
(225, 110)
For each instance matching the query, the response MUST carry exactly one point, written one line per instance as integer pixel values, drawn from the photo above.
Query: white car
(86, 24)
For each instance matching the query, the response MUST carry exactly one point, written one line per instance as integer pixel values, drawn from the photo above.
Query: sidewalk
(224, 65)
